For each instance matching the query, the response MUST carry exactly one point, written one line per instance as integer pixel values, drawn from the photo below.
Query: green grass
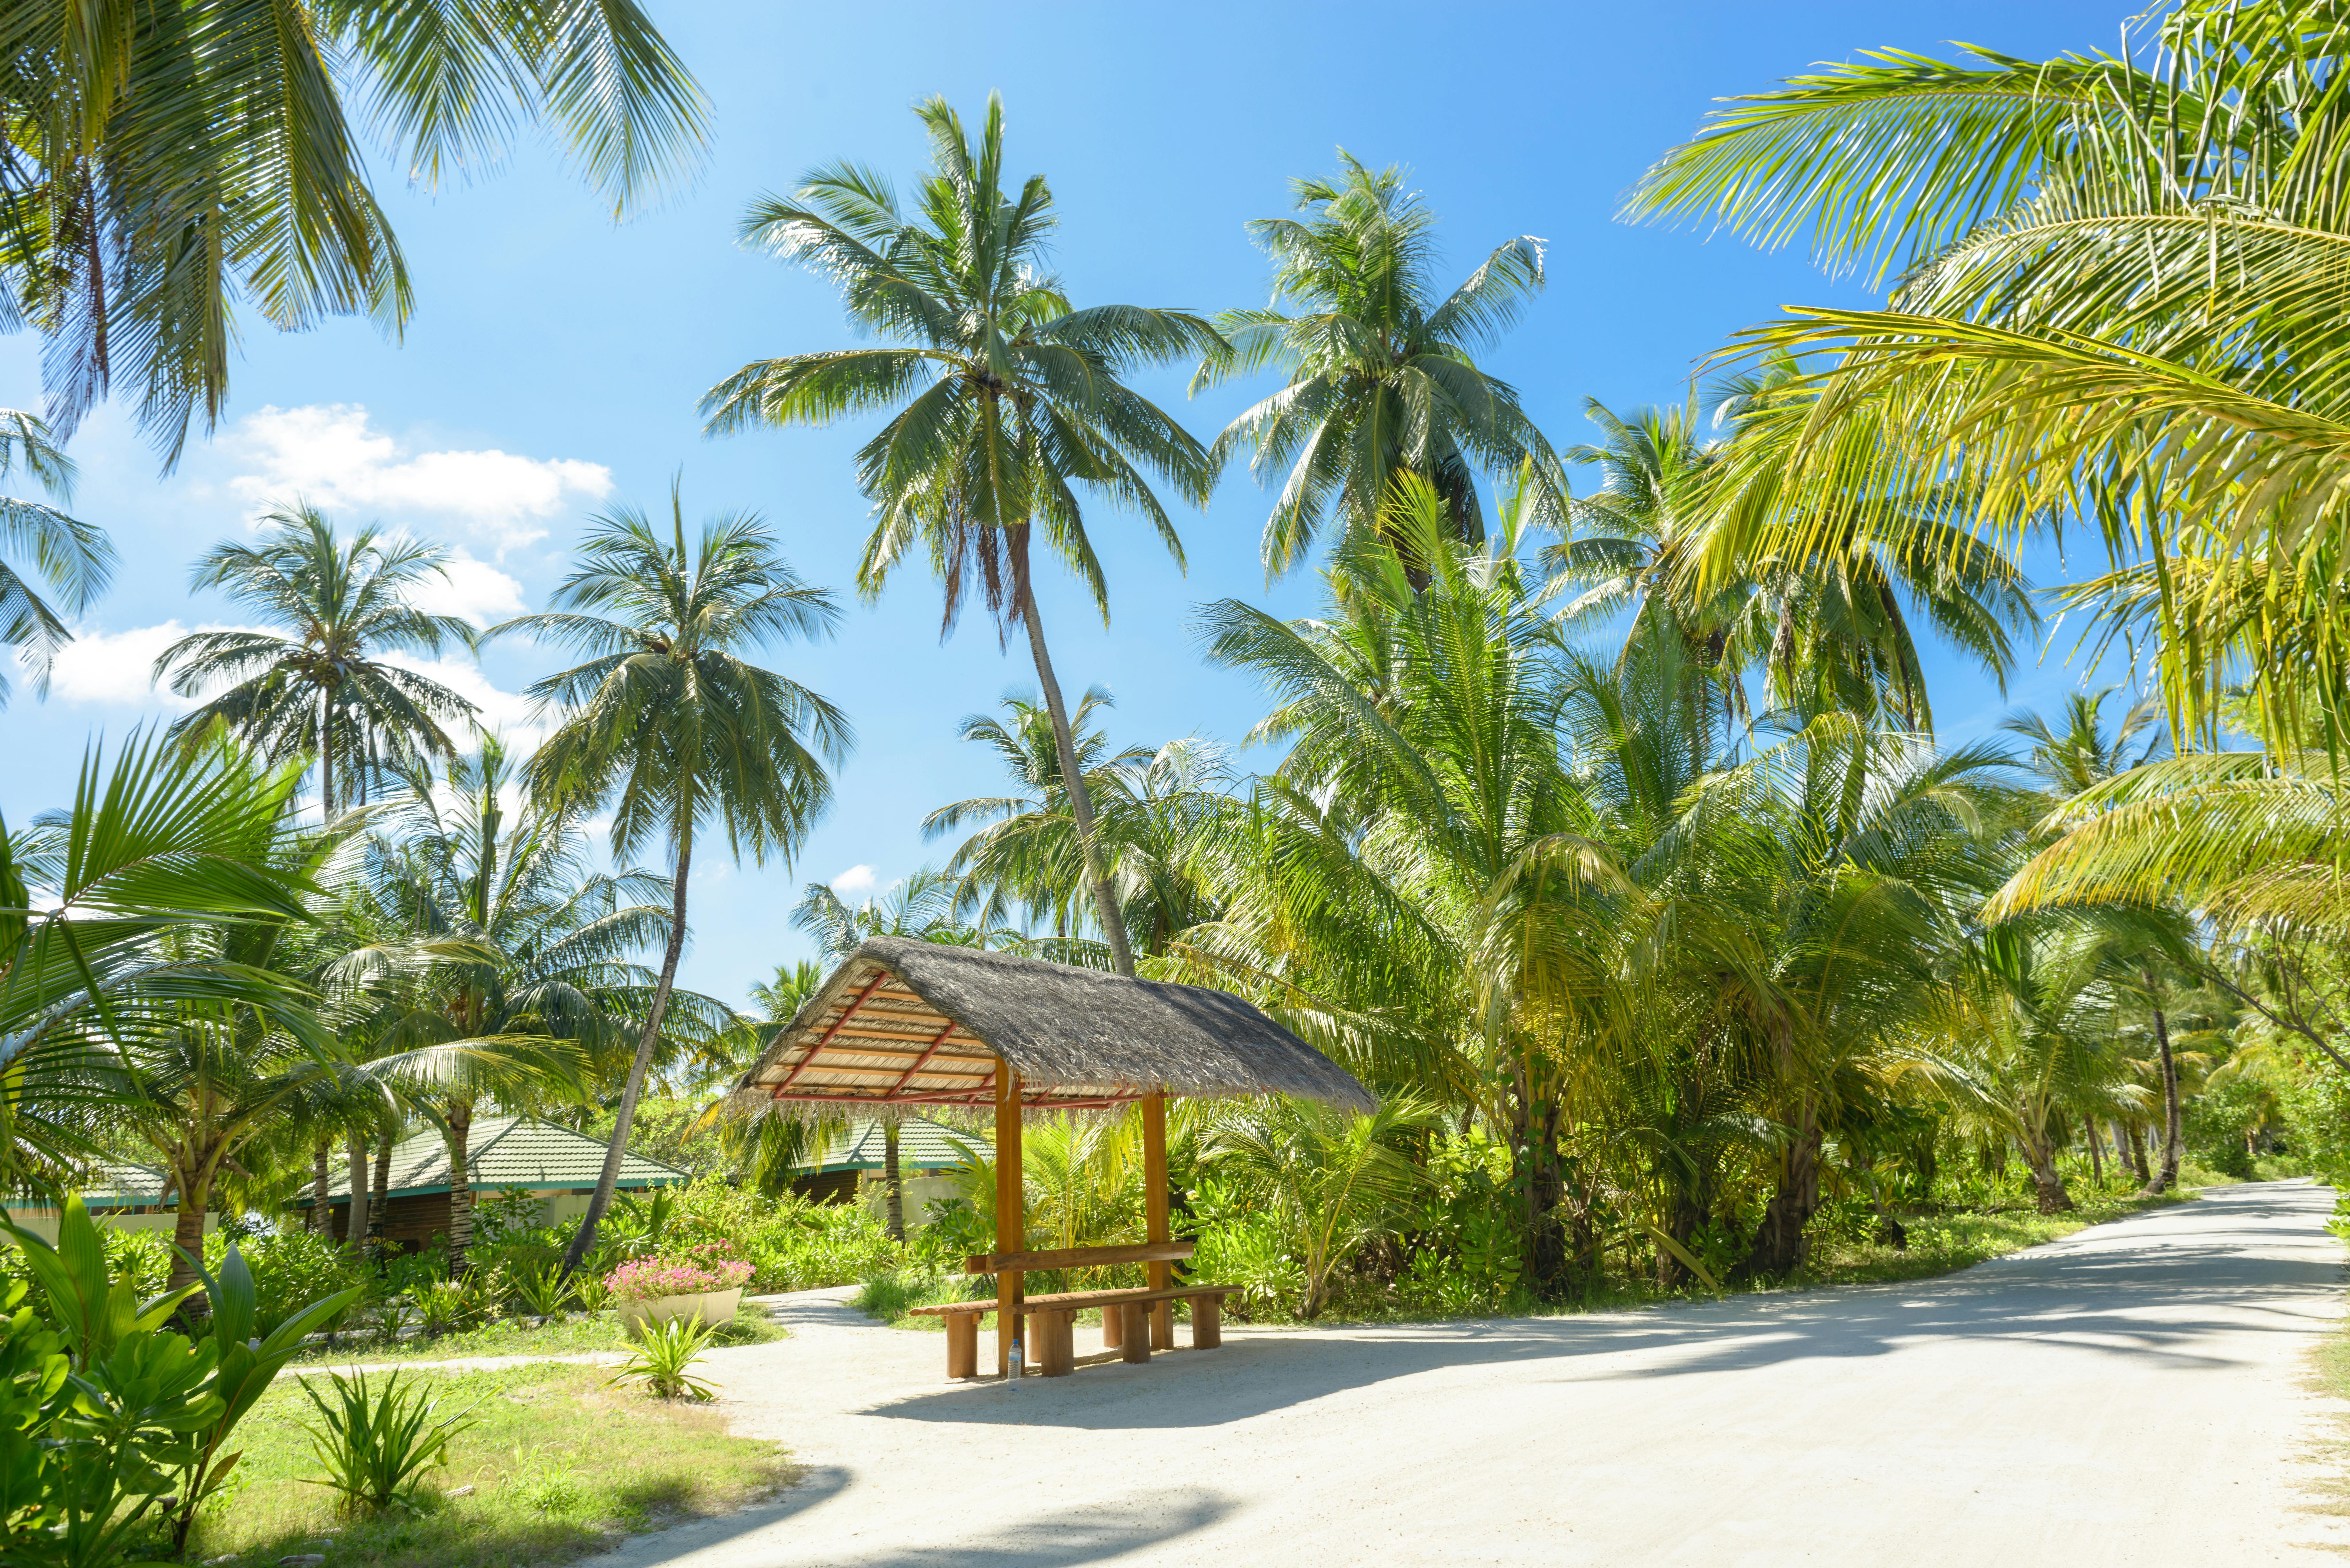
(1945, 1244)
(573, 1335)
(560, 1467)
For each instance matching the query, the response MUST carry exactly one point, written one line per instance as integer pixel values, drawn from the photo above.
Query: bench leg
(1113, 1319)
(1134, 1332)
(1162, 1325)
(1207, 1322)
(1057, 1345)
(962, 1344)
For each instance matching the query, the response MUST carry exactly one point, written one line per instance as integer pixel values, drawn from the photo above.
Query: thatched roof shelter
(910, 1023)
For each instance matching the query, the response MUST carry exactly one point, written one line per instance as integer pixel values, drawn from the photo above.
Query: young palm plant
(670, 723)
(320, 690)
(1006, 403)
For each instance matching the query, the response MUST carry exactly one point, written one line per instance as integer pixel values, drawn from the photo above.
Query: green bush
(291, 1269)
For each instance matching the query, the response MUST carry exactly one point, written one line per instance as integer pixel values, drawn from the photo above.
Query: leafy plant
(588, 1290)
(445, 1305)
(663, 1361)
(543, 1290)
(377, 1442)
(549, 1486)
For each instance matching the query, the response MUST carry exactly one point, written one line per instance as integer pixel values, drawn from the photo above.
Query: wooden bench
(1051, 1320)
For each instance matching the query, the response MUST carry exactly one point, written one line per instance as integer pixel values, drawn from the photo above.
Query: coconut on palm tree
(1383, 379)
(168, 168)
(1007, 406)
(321, 687)
(669, 724)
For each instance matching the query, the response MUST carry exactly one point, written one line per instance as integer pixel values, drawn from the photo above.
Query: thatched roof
(904, 1022)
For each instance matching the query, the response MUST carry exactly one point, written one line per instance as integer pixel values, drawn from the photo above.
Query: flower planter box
(709, 1306)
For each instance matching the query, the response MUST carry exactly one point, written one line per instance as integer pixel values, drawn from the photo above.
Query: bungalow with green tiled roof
(554, 1163)
(927, 1152)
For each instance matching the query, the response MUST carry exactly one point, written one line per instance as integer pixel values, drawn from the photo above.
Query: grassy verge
(1945, 1244)
(560, 1467)
(1938, 1244)
(573, 1335)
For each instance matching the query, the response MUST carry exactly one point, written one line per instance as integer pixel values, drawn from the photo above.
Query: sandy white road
(2132, 1395)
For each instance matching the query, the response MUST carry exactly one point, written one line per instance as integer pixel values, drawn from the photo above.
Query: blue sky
(554, 360)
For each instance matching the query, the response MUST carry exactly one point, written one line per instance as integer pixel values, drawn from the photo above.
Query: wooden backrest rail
(1070, 1300)
(1077, 1257)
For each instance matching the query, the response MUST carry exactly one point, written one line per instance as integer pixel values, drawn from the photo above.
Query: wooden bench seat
(1126, 1323)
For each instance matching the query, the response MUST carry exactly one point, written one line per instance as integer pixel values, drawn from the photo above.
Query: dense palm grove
(1611, 838)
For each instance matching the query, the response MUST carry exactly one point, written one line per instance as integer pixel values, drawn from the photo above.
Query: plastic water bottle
(1015, 1360)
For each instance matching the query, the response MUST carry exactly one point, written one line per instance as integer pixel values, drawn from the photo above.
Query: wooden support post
(1112, 1321)
(962, 1344)
(1011, 1217)
(1154, 1208)
(1207, 1322)
(1135, 1333)
(1056, 1343)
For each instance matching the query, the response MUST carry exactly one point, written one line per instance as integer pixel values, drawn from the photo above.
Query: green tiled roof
(923, 1145)
(507, 1152)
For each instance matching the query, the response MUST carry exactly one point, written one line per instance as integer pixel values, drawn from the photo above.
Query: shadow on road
(2134, 1288)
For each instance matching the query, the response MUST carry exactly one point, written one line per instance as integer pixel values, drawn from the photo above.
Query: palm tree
(1024, 853)
(1382, 380)
(668, 721)
(322, 689)
(2115, 300)
(510, 970)
(1832, 628)
(165, 170)
(1007, 403)
(73, 555)
(1338, 1181)
(111, 912)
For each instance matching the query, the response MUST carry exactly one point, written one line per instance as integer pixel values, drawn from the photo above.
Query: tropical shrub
(377, 1442)
(662, 1362)
(290, 1269)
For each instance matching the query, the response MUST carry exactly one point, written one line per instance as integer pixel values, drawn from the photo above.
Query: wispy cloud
(331, 455)
(856, 879)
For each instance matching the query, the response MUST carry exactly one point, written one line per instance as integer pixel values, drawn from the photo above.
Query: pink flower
(649, 1279)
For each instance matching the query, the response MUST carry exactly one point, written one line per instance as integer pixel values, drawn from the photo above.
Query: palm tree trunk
(2137, 1151)
(322, 1222)
(635, 1087)
(1778, 1246)
(1081, 800)
(379, 1200)
(355, 1227)
(897, 1190)
(461, 1187)
(2048, 1184)
(193, 1187)
(2171, 1131)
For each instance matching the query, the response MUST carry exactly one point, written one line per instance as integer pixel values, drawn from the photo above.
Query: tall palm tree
(1023, 855)
(1006, 403)
(671, 724)
(1830, 627)
(167, 168)
(2116, 299)
(1382, 377)
(322, 689)
(511, 971)
(75, 556)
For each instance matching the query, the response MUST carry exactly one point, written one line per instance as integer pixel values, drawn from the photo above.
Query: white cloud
(328, 454)
(473, 591)
(116, 669)
(856, 879)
